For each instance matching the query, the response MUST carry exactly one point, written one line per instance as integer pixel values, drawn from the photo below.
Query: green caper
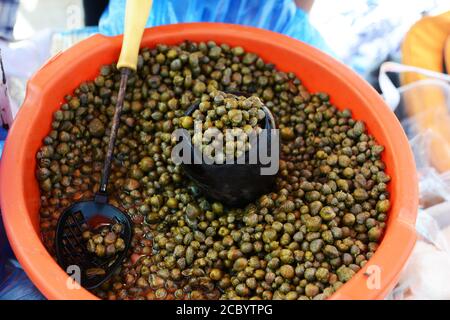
(96, 128)
(187, 122)
(327, 213)
(287, 271)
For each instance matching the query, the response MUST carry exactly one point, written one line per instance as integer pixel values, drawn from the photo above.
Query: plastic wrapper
(425, 104)
(426, 275)
(277, 15)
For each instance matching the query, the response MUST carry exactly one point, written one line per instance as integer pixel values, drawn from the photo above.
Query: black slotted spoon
(71, 249)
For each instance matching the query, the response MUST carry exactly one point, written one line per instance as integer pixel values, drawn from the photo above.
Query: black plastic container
(232, 184)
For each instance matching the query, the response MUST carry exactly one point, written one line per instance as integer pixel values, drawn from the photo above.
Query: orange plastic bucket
(318, 71)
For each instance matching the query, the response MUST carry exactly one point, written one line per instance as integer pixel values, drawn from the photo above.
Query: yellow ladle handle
(136, 15)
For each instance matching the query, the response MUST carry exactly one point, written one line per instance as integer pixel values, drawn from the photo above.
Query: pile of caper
(318, 227)
(104, 241)
(226, 123)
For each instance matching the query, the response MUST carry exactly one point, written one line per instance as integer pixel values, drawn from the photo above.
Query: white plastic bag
(20, 60)
(426, 275)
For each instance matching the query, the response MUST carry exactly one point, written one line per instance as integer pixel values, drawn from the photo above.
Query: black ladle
(71, 249)
(232, 184)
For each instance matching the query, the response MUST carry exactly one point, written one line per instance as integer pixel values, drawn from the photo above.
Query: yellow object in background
(427, 46)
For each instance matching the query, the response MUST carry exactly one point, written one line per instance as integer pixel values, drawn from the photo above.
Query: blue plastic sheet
(14, 283)
(4, 251)
(277, 15)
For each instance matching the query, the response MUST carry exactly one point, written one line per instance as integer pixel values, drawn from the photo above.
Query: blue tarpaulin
(277, 15)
